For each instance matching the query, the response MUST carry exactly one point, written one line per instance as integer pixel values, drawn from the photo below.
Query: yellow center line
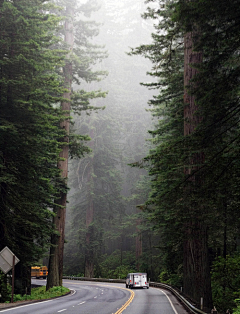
(125, 305)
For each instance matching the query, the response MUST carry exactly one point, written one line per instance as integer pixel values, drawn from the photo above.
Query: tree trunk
(89, 255)
(138, 245)
(225, 220)
(196, 270)
(89, 258)
(22, 279)
(190, 108)
(56, 252)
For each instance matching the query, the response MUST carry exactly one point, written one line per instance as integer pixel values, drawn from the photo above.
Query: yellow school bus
(39, 272)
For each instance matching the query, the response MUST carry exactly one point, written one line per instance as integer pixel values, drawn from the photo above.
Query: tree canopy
(188, 190)
(29, 127)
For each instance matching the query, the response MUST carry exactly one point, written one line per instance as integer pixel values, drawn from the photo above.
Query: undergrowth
(40, 293)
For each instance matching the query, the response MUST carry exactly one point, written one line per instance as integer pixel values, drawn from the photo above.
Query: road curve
(103, 298)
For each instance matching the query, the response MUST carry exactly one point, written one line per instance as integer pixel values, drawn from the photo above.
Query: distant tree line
(103, 231)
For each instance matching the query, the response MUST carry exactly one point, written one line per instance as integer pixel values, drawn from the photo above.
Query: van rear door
(137, 280)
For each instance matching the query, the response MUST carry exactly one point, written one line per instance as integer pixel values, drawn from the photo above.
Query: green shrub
(5, 288)
(17, 297)
(40, 293)
(170, 279)
(109, 268)
(164, 276)
(121, 272)
(225, 282)
(237, 310)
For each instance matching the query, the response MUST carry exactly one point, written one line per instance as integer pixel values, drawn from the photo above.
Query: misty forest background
(149, 159)
(103, 229)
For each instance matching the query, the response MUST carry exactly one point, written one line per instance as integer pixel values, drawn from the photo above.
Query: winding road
(103, 298)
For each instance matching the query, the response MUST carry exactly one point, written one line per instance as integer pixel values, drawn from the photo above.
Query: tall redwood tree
(196, 270)
(56, 251)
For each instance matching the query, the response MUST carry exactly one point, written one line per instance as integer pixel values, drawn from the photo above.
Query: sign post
(13, 273)
(8, 260)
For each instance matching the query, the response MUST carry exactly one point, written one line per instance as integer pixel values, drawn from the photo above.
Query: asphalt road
(103, 298)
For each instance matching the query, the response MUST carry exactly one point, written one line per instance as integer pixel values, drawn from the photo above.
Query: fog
(104, 231)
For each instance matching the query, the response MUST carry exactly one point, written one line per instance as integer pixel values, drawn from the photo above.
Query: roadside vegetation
(237, 310)
(40, 293)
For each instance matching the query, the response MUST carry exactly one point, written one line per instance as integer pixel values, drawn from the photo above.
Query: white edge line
(35, 303)
(17, 307)
(175, 311)
(74, 291)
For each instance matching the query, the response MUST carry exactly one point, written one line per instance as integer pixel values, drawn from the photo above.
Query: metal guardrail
(185, 302)
(94, 279)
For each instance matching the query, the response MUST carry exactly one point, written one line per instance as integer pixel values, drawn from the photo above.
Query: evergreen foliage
(216, 90)
(225, 282)
(29, 128)
(78, 67)
(85, 56)
(96, 192)
(194, 178)
(117, 139)
(164, 159)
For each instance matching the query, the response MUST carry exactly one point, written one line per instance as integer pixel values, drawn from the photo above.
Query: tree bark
(191, 120)
(138, 245)
(196, 270)
(55, 267)
(89, 255)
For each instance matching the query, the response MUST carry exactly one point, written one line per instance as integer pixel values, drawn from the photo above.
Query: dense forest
(119, 142)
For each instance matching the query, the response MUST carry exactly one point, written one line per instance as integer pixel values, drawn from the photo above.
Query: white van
(137, 280)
